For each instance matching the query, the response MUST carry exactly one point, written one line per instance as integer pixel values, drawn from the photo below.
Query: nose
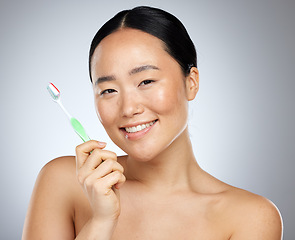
(130, 105)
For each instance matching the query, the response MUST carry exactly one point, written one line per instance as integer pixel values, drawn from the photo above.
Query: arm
(94, 229)
(100, 176)
(259, 220)
(50, 212)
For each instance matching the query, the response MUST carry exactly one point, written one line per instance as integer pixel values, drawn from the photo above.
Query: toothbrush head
(53, 91)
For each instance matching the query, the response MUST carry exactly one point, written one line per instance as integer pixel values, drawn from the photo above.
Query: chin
(142, 157)
(146, 153)
(140, 154)
(148, 149)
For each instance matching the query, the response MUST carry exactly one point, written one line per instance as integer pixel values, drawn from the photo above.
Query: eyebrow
(105, 79)
(133, 71)
(142, 68)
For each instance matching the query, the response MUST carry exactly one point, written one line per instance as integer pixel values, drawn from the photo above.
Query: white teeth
(139, 127)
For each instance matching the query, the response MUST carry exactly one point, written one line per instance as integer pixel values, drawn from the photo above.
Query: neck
(172, 169)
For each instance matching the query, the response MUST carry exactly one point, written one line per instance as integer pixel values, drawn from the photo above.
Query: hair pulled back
(158, 23)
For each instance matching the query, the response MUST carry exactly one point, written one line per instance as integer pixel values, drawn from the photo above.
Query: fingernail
(102, 143)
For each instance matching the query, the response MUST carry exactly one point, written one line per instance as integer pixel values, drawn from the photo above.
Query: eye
(107, 91)
(146, 82)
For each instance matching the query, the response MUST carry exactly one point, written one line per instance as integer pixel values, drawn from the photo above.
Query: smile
(139, 127)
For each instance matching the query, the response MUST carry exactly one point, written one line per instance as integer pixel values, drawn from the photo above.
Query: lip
(139, 134)
(137, 123)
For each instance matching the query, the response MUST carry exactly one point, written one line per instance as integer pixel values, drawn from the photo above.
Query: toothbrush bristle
(54, 92)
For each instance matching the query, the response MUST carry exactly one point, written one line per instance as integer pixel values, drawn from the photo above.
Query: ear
(192, 84)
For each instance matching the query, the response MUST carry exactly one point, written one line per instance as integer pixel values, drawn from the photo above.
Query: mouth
(137, 131)
(139, 128)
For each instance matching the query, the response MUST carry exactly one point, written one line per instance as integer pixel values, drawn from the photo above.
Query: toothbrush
(55, 94)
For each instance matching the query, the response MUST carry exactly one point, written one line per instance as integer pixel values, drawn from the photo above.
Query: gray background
(241, 123)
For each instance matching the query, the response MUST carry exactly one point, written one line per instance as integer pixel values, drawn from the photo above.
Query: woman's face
(140, 93)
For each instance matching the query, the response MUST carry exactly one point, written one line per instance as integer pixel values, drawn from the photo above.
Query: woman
(143, 69)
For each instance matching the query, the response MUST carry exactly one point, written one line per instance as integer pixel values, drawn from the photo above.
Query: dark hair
(158, 23)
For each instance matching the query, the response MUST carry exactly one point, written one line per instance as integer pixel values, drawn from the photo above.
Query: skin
(157, 191)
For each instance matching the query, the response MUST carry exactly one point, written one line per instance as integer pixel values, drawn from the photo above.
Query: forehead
(128, 45)
(130, 36)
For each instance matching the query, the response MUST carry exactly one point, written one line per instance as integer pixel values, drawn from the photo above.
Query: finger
(106, 183)
(97, 156)
(83, 151)
(87, 177)
(109, 166)
(94, 168)
(120, 183)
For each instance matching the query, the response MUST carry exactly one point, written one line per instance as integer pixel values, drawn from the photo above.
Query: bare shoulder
(59, 176)
(51, 209)
(253, 216)
(58, 173)
(61, 165)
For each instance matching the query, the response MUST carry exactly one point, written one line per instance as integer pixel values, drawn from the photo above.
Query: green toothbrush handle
(79, 129)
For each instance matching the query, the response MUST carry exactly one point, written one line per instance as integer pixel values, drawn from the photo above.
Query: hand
(100, 176)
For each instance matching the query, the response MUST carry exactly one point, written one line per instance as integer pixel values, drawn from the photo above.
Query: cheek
(104, 114)
(169, 100)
